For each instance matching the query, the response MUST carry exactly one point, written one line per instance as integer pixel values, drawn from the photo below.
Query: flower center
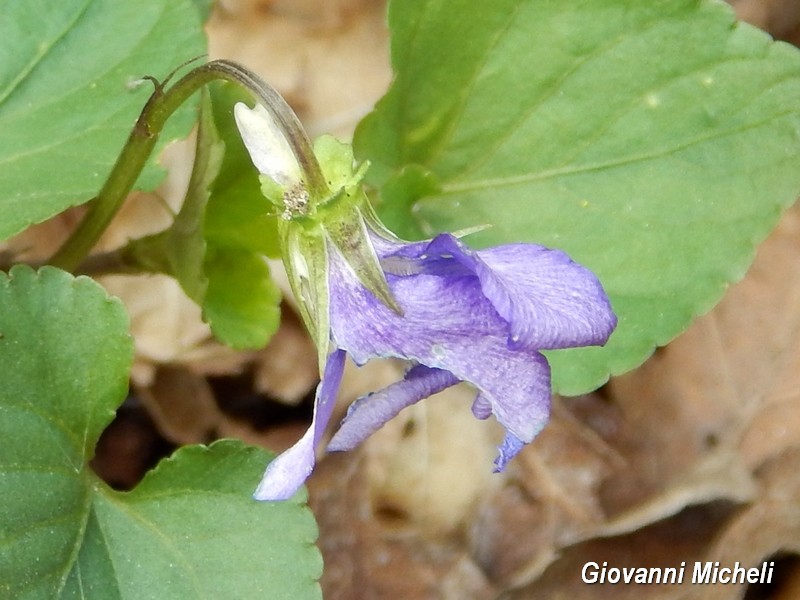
(295, 202)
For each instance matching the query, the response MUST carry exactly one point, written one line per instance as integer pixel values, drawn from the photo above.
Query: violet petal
(481, 407)
(367, 414)
(508, 449)
(287, 472)
(447, 324)
(548, 300)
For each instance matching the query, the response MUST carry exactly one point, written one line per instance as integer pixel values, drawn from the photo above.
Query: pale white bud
(268, 148)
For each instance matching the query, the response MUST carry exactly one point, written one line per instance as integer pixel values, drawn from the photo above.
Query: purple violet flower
(455, 314)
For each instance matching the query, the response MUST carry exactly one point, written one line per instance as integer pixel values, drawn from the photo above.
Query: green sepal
(347, 229)
(305, 256)
(343, 217)
(271, 190)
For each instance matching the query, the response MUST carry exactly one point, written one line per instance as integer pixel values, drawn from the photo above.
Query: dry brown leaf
(433, 463)
(681, 538)
(41, 241)
(369, 555)
(286, 370)
(166, 325)
(734, 372)
(781, 18)
(687, 428)
(182, 405)
(774, 428)
(329, 59)
(761, 531)
(549, 501)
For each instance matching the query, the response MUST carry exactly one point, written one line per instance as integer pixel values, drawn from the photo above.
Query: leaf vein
(495, 182)
(44, 51)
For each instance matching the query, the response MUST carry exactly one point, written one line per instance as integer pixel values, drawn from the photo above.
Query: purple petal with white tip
(287, 472)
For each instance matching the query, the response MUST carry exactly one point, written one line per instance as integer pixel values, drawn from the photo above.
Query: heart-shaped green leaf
(64, 359)
(656, 142)
(190, 530)
(70, 90)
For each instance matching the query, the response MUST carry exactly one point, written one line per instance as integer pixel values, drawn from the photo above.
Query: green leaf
(242, 302)
(656, 142)
(70, 92)
(216, 243)
(191, 528)
(204, 8)
(64, 359)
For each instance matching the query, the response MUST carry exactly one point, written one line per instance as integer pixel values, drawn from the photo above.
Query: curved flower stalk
(453, 313)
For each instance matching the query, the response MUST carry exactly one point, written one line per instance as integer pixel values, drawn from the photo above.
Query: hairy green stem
(144, 136)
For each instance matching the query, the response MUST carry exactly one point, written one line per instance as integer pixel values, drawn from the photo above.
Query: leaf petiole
(159, 107)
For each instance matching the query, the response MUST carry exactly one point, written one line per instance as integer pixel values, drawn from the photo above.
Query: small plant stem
(144, 136)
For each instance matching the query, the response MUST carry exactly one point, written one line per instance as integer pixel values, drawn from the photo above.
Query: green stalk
(144, 136)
